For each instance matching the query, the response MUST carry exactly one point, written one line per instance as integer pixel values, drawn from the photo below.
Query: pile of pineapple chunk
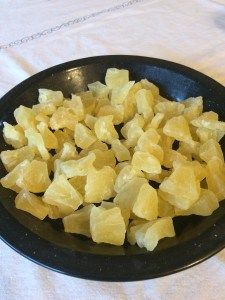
(72, 162)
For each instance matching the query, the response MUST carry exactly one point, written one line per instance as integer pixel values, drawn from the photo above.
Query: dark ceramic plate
(45, 243)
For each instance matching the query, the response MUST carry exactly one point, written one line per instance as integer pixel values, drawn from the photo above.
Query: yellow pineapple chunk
(98, 145)
(79, 167)
(83, 136)
(78, 182)
(35, 177)
(14, 135)
(105, 130)
(49, 96)
(193, 108)
(104, 158)
(169, 109)
(209, 120)
(63, 118)
(98, 89)
(205, 134)
(184, 192)
(99, 185)
(145, 84)
(45, 109)
(132, 130)
(90, 121)
(32, 204)
(215, 177)
(210, 150)
(120, 166)
(60, 191)
(89, 101)
(156, 121)
(119, 93)
(43, 119)
(205, 205)
(11, 158)
(35, 140)
(165, 209)
(79, 221)
(48, 136)
(115, 77)
(120, 151)
(177, 128)
(199, 170)
(25, 117)
(145, 103)
(146, 162)
(76, 106)
(62, 137)
(116, 111)
(107, 226)
(67, 152)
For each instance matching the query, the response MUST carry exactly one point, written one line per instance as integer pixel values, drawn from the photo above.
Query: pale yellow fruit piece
(63, 118)
(99, 185)
(35, 140)
(98, 89)
(79, 167)
(14, 135)
(156, 121)
(46, 108)
(199, 170)
(193, 108)
(62, 137)
(215, 177)
(42, 118)
(169, 109)
(177, 128)
(100, 102)
(209, 120)
(79, 221)
(116, 111)
(89, 101)
(165, 141)
(50, 140)
(67, 152)
(210, 150)
(189, 149)
(146, 162)
(35, 177)
(104, 129)
(205, 205)
(137, 121)
(146, 204)
(98, 145)
(83, 136)
(78, 182)
(57, 167)
(107, 226)
(32, 204)
(60, 191)
(129, 106)
(145, 103)
(59, 211)
(119, 93)
(120, 166)
(104, 158)
(120, 151)
(10, 180)
(158, 177)
(116, 77)
(90, 121)
(126, 174)
(109, 205)
(150, 86)
(49, 96)
(11, 158)
(150, 136)
(25, 117)
(205, 134)
(165, 209)
(170, 156)
(76, 106)
(185, 192)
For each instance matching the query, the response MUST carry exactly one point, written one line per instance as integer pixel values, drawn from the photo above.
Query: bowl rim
(110, 267)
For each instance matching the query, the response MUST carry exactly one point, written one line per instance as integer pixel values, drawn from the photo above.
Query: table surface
(35, 35)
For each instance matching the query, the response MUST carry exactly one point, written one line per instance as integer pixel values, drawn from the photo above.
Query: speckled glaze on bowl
(45, 243)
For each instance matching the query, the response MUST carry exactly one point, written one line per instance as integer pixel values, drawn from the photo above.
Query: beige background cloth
(38, 34)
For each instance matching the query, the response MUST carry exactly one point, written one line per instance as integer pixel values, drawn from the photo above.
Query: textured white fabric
(188, 32)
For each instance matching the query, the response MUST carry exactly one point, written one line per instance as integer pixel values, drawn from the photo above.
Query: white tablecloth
(37, 34)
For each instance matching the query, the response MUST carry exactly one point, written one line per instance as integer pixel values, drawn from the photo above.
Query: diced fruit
(98, 145)
(165, 209)
(67, 152)
(120, 151)
(132, 130)
(145, 103)
(11, 158)
(98, 89)
(105, 130)
(210, 150)
(177, 127)
(79, 221)
(46, 108)
(90, 121)
(116, 111)
(42, 118)
(156, 121)
(83, 136)
(147, 162)
(104, 158)
(89, 101)
(193, 108)
(199, 170)
(63, 118)
(62, 137)
(107, 226)
(99, 185)
(49, 96)
(25, 117)
(78, 182)
(204, 134)
(59, 211)
(76, 106)
(169, 109)
(60, 191)
(14, 135)
(35, 140)
(119, 93)
(145, 84)
(115, 77)
(50, 140)
(215, 177)
(209, 120)
(32, 204)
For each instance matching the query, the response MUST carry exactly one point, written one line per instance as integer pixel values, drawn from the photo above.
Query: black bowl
(45, 243)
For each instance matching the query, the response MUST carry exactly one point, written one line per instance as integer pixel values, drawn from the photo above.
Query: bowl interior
(175, 82)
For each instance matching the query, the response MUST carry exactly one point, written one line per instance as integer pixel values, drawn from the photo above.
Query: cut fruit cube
(25, 117)
(67, 152)
(46, 108)
(83, 136)
(79, 221)
(100, 185)
(115, 77)
(205, 205)
(59, 211)
(156, 121)
(120, 151)
(104, 129)
(49, 96)
(76, 106)
(205, 134)
(48, 136)
(165, 209)
(209, 120)
(107, 226)
(79, 182)
(177, 128)
(119, 93)
(98, 89)
(132, 130)
(116, 111)
(104, 158)
(209, 150)
(14, 135)
(90, 121)
(60, 191)
(199, 170)
(35, 140)
(79, 167)
(63, 118)
(145, 102)
(11, 158)
(169, 109)
(32, 204)
(146, 162)
(145, 84)
(89, 102)
(35, 177)
(150, 136)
